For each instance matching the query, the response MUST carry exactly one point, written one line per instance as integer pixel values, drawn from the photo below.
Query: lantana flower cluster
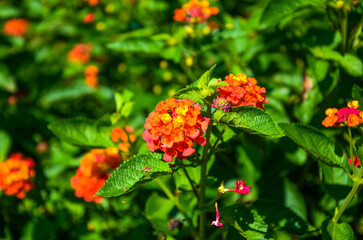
(173, 127)
(90, 74)
(15, 27)
(243, 90)
(93, 172)
(15, 175)
(124, 138)
(350, 116)
(195, 11)
(80, 53)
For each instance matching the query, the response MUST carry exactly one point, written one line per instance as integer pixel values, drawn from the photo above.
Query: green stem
(352, 194)
(216, 142)
(170, 195)
(344, 28)
(190, 182)
(351, 150)
(203, 177)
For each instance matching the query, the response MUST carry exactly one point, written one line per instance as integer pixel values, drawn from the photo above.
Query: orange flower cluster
(125, 138)
(80, 53)
(90, 17)
(350, 116)
(195, 12)
(15, 174)
(93, 172)
(15, 27)
(91, 73)
(243, 90)
(92, 2)
(173, 127)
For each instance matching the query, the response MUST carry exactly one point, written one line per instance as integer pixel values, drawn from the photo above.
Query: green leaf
(205, 78)
(247, 222)
(191, 93)
(67, 93)
(7, 81)
(133, 173)
(275, 213)
(124, 102)
(336, 231)
(251, 119)
(136, 45)
(351, 64)
(277, 10)
(157, 211)
(313, 141)
(5, 143)
(83, 132)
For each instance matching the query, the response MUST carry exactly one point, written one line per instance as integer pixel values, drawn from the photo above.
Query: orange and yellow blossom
(80, 53)
(93, 172)
(15, 175)
(350, 116)
(243, 90)
(173, 127)
(91, 73)
(195, 11)
(16, 27)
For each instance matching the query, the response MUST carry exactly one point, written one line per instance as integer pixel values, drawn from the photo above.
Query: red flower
(240, 188)
(15, 27)
(80, 53)
(15, 174)
(93, 172)
(92, 2)
(90, 17)
(243, 91)
(356, 161)
(350, 116)
(173, 127)
(195, 12)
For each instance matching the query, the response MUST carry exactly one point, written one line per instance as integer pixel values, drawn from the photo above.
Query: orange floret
(195, 11)
(95, 168)
(15, 27)
(173, 127)
(15, 175)
(89, 18)
(92, 2)
(91, 78)
(243, 91)
(80, 53)
(124, 138)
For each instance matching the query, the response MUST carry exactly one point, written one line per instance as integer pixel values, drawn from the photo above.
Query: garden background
(71, 72)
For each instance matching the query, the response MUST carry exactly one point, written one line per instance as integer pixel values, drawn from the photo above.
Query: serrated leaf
(336, 231)
(83, 132)
(214, 84)
(275, 213)
(133, 173)
(313, 141)
(191, 93)
(5, 143)
(250, 119)
(247, 222)
(205, 78)
(135, 45)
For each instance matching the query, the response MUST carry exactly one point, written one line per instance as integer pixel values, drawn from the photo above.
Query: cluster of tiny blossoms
(80, 53)
(195, 12)
(173, 127)
(15, 175)
(350, 116)
(15, 27)
(243, 90)
(124, 138)
(222, 104)
(90, 74)
(93, 172)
